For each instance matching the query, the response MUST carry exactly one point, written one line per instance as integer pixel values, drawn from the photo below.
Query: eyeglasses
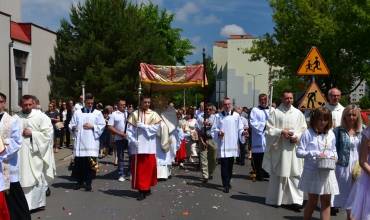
(209, 109)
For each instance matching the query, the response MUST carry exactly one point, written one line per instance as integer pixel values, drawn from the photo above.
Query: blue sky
(203, 21)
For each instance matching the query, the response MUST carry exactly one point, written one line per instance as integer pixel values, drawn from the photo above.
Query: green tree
(343, 101)
(364, 102)
(101, 45)
(338, 28)
(287, 83)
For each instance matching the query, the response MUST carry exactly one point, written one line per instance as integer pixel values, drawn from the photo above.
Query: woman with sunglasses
(53, 114)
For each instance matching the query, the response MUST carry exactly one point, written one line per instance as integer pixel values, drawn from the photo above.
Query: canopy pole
(135, 76)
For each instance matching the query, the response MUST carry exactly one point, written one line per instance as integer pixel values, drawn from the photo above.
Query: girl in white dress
(318, 182)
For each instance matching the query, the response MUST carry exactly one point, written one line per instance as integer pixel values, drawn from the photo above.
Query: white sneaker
(121, 179)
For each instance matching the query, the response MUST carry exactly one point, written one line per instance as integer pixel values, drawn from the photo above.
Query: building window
(360, 90)
(354, 95)
(353, 100)
(361, 95)
(20, 61)
(20, 89)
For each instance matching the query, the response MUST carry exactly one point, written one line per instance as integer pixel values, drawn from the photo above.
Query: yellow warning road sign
(313, 98)
(313, 64)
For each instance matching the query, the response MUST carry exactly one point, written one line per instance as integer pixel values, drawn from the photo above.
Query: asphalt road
(182, 197)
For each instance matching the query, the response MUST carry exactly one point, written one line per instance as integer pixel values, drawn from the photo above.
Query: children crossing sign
(313, 98)
(313, 65)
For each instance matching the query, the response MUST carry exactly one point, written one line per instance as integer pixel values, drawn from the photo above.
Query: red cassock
(4, 213)
(146, 171)
(181, 153)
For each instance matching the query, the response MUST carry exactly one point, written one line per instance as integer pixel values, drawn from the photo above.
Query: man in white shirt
(79, 105)
(117, 125)
(258, 118)
(241, 159)
(227, 130)
(200, 111)
(334, 106)
(86, 127)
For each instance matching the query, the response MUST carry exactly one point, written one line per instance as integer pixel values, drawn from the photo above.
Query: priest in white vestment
(334, 106)
(36, 157)
(227, 130)
(86, 126)
(143, 125)
(11, 142)
(284, 128)
(257, 121)
(167, 142)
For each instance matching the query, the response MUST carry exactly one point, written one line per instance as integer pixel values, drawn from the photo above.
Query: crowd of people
(281, 143)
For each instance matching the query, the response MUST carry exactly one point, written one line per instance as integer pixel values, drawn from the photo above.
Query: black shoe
(88, 187)
(242, 164)
(148, 193)
(169, 177)
(297, 207)
(334, 211)
(230, 186)
(226, 190)
(77, 187)
(205, 180)
(142, 196)
(210, 177)
(48, 192)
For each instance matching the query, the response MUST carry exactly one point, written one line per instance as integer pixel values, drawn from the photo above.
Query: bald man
(334, 106)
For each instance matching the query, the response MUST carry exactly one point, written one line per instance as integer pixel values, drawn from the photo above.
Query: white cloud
(230, 29)
(182, 13)
(207, 20)
(196, 39)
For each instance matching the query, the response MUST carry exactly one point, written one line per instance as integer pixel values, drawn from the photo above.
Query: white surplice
(280, 159)
(36, 157)
(336, 113)
(257, 121)
(233, 128)
(86, 141)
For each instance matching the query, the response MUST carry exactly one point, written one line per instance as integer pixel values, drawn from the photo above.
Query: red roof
(221, 43)
(21, 32)
(248, 36)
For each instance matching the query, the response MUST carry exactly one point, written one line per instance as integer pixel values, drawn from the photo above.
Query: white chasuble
(280, 155)
(36, 157)
(86, 141)
(280, 159)
(233, 128)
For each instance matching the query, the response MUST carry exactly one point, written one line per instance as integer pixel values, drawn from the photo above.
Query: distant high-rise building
(361, 91)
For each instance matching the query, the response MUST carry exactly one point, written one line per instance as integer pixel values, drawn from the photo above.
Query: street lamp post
(254, 85)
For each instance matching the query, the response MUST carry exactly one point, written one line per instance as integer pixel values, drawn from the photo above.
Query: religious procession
(325, 156)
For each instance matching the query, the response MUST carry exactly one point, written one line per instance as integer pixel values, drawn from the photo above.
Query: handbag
(59, 125)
